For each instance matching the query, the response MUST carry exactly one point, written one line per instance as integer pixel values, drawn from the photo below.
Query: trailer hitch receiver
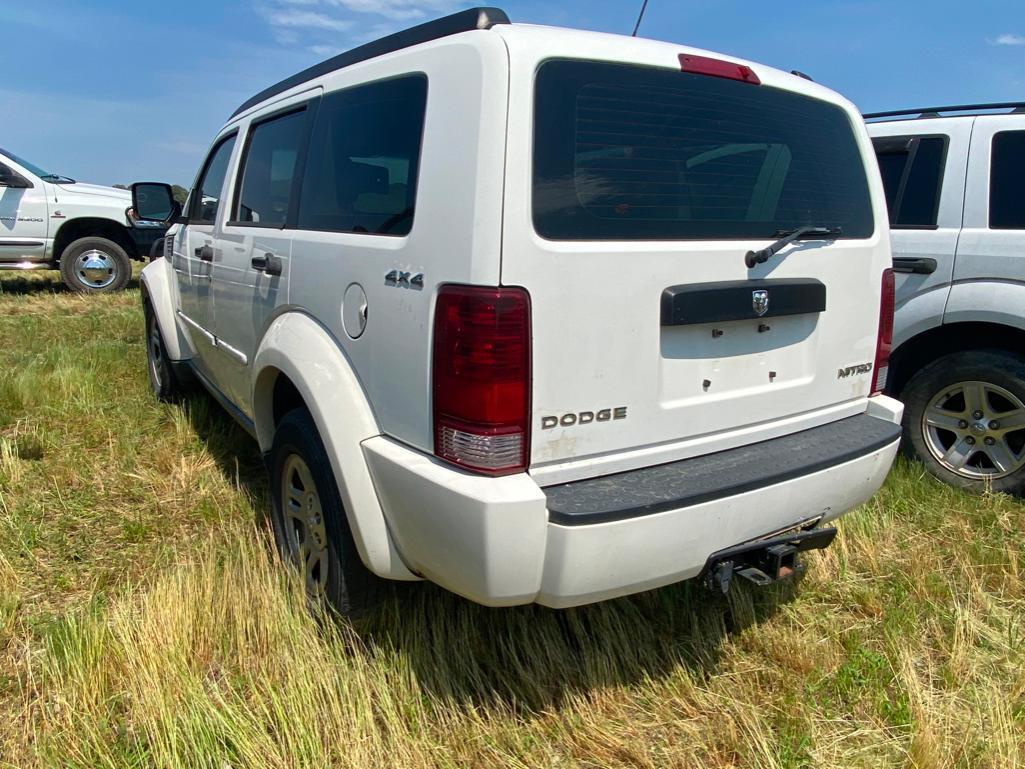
(763, 561)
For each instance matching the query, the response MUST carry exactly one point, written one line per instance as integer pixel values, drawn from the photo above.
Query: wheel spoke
(957, 455)
(315, 576)
(975, 398)
(1010, 421)
(1001, 456)
(944, 420)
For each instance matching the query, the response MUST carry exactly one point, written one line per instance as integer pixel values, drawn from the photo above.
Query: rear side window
(211, 183)
(912, 171)
(268, 170)
(1007, 181)
(364, 158)
(625, 152)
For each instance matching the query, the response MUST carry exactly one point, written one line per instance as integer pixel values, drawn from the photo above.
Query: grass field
(143, 621)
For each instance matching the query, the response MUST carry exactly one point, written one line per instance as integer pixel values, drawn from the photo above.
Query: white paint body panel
(595, 306)
(36, 214)
(980, 275)
(489, 538)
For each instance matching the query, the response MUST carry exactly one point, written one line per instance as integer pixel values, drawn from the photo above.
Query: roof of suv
(960, 110)
(486, 18)
(463, 21)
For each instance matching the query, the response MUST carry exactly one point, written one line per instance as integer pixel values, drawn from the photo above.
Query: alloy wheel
(976, 429)
(303, 516)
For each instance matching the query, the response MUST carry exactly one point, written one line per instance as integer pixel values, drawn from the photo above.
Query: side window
(364, 156)
(268, 170)
(912, 171)
(1006, 186)
(211, 183)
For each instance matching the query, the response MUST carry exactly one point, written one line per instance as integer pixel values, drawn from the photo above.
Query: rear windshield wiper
(789, 236)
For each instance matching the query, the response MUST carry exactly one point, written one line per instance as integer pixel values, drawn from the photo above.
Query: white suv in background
(955, 185)
(49, 222)
(537, 314)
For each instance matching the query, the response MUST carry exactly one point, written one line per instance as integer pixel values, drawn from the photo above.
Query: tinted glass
(912, 171)
(212, 182)
(30, 167)
(268, 170)
(625, 152)
(1007, 181)
(363, 160)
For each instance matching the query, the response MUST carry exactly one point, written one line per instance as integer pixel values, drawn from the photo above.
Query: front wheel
(163, 379)
(310, 525)
(94, 265)
(964, 418)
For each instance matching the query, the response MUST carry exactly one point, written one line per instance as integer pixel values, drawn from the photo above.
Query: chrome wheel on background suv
(964, 419)
(976, 429)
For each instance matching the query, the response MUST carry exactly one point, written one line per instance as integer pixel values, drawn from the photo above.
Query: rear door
(250, 277)
(643, 187)
(992, 245)
(923, 165)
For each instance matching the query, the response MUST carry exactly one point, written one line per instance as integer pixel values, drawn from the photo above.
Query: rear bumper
(506, 541)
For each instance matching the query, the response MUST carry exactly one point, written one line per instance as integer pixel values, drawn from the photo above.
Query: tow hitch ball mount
(764, 561)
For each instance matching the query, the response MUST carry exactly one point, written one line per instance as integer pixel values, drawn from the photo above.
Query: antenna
(644, 6)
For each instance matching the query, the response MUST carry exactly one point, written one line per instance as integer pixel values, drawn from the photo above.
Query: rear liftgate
(763, 561)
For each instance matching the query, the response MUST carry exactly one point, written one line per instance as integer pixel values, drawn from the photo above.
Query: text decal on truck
(861, 368)
(583, 417)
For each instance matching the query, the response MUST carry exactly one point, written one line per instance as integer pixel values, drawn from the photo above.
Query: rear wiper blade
(789, 236)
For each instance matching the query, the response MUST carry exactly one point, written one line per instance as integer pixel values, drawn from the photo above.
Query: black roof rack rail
(463, 21)
(922, 112)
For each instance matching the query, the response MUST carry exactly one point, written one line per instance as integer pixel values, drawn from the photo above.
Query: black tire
(990, 455)
(94, 265)
(349, 587)
(163, 378)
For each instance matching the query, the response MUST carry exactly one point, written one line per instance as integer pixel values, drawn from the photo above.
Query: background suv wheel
(964, 419)
(95, 265)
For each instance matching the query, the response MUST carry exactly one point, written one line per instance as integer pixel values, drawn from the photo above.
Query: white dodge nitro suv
(537, 314)
(955, 184)
(88, 232)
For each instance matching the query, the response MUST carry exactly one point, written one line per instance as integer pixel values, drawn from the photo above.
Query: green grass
(144, 620)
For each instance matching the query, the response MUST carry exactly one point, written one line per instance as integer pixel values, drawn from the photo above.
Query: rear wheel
(964, 418)
(310, 525)
(94, 265)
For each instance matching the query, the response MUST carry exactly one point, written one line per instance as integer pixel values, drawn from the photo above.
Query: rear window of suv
(626, 152)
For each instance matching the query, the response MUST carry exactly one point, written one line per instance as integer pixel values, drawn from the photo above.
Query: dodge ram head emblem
(760, 302)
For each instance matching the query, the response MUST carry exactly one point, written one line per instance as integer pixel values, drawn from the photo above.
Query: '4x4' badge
(760, 301)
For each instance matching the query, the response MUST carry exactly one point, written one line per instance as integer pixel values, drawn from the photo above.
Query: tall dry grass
(144, 621)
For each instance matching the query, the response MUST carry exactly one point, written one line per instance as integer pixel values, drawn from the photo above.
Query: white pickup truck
(51, 222)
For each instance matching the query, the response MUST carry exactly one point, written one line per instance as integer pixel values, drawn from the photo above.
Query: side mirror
(154, 202)
(12, 179)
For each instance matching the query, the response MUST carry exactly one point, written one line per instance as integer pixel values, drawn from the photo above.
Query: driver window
(211, 184)
(364, 155)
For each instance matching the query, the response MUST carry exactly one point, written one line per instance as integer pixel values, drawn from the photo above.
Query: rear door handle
(918, 265)
(268, 263)
(206, 253)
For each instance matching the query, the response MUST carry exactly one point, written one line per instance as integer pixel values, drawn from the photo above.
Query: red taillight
(481, 370)
(703, 65)
(884, 342)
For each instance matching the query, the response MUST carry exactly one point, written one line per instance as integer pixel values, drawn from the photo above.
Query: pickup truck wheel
(964, 418)
(95, 265)
(310, 525)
